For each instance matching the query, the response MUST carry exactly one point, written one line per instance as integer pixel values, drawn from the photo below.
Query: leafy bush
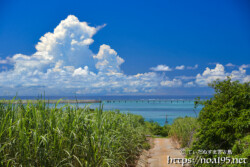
(38, 135)
(182, 130)
(241, 149)
(156, 129)
(224, 119)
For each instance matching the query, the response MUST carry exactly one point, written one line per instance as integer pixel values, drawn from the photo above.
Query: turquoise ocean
(155, 108)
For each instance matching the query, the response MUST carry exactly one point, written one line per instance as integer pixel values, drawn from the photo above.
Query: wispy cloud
(230, 65)
(193, 68)
(185, 77)
(5, 61)
(172, 83)
(189, 84)
(244, 66)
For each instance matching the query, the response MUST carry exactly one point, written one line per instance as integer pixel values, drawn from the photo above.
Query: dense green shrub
(38, 135)
(225, 119)
(156, 129)
(182, 130)
(241, 148)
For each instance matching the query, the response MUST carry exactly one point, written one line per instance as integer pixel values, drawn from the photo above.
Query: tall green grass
(39, 135)
(182, 130)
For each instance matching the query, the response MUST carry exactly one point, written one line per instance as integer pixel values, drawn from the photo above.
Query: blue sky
(158, 47)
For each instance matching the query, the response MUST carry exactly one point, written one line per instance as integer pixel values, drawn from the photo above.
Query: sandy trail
(163, 148)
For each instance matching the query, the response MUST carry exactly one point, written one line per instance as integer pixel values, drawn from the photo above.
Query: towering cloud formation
(64, 63)
(108, 60)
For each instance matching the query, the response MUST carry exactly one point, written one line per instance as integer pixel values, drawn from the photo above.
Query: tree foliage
(225, 118)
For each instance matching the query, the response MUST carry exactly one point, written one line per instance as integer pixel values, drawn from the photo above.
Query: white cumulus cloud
(189, 84)
(172, 83)
(64, 64)
(108, 60)
(210, 75)
(180, 67)
(161, 68)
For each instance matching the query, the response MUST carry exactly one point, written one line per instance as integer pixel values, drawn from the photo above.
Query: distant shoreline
(111, 98)
(51, 101)
(75, 101)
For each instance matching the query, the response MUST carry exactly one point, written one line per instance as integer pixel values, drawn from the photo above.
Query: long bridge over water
(25, 101)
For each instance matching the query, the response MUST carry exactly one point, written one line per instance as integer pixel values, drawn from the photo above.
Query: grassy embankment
(38, 135)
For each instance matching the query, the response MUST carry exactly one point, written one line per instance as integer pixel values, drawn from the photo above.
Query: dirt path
(158, 155)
